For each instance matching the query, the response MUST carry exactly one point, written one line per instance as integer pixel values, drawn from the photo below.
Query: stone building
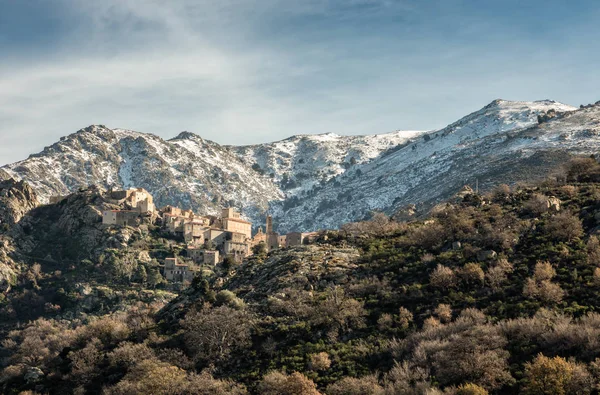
(259, 237)
(211, 257)
(299, 238)
(175, 272)
(215, 236)
(120, 217)
(282, 241)
(137, 198)
(236, 245)
(201, 255)
(232, 222)
(193, 232)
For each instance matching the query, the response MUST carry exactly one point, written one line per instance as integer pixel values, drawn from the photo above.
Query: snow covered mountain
(187, 170)
(316, 181)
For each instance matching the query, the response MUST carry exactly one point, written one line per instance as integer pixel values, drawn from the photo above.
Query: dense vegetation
(495, 293)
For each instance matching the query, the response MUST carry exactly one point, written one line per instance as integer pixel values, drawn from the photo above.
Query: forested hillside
(494, 293)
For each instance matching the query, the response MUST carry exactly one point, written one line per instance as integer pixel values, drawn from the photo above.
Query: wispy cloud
(245, 71)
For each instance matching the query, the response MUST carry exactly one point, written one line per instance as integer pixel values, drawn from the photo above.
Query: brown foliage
(442, 277)
(471, 274)
(367, 385)
(556, 376)
(277, 383)
(564, 226)
(319, 361)
(212, 334)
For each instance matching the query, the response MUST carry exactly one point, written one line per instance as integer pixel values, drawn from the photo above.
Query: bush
(442, 277)
(367, 385)
(319, 361)
(470, 389)
(228, 298)
(212, 334)
(443, 313)
(564, 226)
(556, 376)
(278, 383)
(471, 274)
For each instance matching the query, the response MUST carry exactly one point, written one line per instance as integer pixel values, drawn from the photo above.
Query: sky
(253, 71)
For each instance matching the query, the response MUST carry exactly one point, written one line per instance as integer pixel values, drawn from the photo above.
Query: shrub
(556, 376)
(442, 277)
(564, 226)
(367, 385)
(319, 361)
(211, 334)
(443, 312)
(497, 273)
(278, 383)
(405, 318)
(537, 204)
(470, 389)
(593, 251)
(471, 274)
(228, 298)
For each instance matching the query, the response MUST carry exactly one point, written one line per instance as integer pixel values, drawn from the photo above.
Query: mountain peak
(185, 135)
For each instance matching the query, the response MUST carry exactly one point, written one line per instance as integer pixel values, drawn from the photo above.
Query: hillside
(314, 182)
(492, 293)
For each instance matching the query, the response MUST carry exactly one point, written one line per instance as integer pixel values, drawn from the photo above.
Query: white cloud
(244, 71)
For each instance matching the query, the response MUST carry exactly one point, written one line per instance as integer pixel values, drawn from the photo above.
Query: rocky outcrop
(306, 268)
(16, 199)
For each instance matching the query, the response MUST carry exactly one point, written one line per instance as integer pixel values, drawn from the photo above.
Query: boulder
(33, 374)
(486, 255)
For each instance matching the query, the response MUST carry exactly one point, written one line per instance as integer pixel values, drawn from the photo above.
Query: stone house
(299, 238)
(236, 245)
(193, 232)
(137, 198)
(201, 255)
(282, 241)
(175, 272)
(211, 257)
(217, 236)
(232, 222)
(120, 217)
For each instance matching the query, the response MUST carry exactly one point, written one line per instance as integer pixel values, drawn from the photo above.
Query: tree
(556, 376)
(141, 274)
(443, 312)
(278, 383)
(367, 385)
(154, 278)
(497, 273)
(593, 251)
(319, 361)
(212, 334)
(471, 274)
(470, 389)
(540, 285)
(442, 277)
(260, 249)
(564, 226)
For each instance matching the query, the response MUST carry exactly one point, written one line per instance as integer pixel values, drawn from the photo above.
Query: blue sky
(251, 71)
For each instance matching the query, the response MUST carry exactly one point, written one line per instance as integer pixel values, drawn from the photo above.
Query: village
(209, 239)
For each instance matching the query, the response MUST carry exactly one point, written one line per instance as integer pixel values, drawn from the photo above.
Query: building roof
(238, 220)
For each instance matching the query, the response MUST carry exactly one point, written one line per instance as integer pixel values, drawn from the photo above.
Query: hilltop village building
(176, 272)
(138, 201)
(209, 239)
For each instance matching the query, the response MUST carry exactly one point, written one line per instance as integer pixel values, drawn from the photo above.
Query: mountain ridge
(308, 182)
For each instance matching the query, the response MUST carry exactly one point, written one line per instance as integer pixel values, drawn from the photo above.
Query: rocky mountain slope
(187, 170)
(321, 181)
